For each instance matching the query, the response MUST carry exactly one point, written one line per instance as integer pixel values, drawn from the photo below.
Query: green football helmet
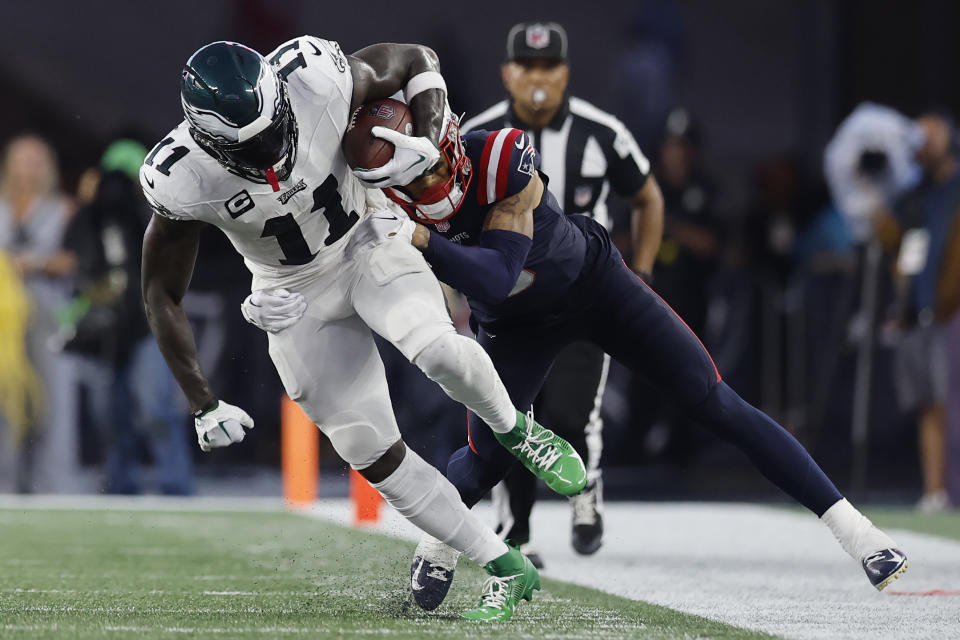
(238, 110)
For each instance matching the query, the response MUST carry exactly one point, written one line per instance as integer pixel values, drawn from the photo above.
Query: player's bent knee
(445, 357)
(723, 411)
(356, 440)
(693, 389)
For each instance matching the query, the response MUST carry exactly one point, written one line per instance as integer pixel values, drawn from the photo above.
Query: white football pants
(328, 361)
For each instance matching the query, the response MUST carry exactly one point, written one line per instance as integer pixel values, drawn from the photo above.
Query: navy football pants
(627, 319)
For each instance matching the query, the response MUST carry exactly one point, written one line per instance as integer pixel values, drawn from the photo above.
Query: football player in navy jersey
(537, 280)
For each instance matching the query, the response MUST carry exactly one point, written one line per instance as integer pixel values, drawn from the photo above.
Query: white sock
(856, 534)
(427, 499)
(465, 372)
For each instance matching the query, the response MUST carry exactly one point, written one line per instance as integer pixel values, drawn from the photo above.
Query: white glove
(273, 310)
(412, 157)
(221, 426)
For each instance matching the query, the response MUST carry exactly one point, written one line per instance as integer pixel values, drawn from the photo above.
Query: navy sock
(771, 449)
(474, 476)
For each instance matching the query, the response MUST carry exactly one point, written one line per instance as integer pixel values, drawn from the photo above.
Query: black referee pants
(569, 403)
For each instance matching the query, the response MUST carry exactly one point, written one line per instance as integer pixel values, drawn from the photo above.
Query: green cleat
(512, 578)
(546, 455)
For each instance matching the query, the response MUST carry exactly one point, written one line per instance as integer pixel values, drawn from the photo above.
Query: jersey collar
(556, 123)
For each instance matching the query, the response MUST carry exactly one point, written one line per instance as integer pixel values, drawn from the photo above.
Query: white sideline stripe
(136, 609)
(768, 569)
(190, 630)
(155, 592)
(262, 593)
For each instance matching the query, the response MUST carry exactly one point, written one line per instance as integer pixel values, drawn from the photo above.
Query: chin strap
(272, 179)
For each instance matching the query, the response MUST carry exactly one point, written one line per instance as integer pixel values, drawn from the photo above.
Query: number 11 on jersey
(289, 236)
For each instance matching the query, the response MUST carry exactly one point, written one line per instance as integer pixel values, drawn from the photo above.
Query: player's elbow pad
(486, 273)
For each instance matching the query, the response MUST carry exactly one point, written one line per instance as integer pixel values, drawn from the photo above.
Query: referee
(585, 152)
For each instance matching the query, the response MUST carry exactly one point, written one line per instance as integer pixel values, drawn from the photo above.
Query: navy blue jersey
(503, 163)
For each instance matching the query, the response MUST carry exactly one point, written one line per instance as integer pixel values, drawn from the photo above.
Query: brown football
(361, 149)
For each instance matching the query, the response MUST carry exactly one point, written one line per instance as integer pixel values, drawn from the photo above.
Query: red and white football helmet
(442, 200)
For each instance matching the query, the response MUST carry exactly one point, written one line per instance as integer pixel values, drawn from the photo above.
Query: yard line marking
(187, 630)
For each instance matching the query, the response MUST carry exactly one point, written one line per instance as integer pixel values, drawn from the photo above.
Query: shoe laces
(494, 592)
(539, 448)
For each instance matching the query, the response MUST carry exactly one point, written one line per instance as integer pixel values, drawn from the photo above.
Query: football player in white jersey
(258, 156)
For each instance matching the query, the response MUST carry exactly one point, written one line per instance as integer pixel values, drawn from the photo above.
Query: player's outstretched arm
(381, 70)
(169, 252)
(487, 272)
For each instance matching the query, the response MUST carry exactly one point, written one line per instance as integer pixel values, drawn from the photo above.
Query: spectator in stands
(33, 217)
(691, 233)
(924, 230)
(685, 269)
(140, 401)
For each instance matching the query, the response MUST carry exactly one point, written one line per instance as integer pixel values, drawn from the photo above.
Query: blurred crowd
(829, 286)
(88, 370)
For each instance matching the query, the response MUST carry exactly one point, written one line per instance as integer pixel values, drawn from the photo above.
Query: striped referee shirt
(583, 151)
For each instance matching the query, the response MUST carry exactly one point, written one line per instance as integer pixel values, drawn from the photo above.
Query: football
(360, 147)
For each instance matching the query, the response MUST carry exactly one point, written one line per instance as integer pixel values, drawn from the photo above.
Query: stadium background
(767, 82)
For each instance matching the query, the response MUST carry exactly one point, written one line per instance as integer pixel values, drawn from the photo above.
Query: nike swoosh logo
(422, 158)
(880, 555)
(316, 50)
(519, 143)
(148, 181)
(390, 218)
(416, 586)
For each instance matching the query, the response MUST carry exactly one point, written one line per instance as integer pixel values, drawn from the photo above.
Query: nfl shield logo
(385, 111)
(443, 227)
(582, 195)
(538, 36)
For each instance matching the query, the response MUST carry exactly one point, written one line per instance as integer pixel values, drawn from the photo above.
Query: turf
(945, 524)
(154, 574)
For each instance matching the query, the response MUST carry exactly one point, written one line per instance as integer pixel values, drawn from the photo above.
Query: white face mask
(444, 207)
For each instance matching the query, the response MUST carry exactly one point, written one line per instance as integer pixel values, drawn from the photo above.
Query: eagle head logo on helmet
(238, 110)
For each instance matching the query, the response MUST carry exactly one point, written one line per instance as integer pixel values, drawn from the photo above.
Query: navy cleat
(884, 566)
(877, 553)
(431, 573)
(587, 532)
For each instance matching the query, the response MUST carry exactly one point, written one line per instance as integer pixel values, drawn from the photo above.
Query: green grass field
(945, 524)
(162, 574)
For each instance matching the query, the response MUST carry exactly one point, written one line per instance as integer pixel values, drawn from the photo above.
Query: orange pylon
(300, 455)
(366, 500)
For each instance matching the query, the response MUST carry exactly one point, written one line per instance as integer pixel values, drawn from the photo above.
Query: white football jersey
(300, 229)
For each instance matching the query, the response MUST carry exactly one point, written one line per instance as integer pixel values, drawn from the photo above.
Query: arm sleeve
(487, 272)
(627, 167)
